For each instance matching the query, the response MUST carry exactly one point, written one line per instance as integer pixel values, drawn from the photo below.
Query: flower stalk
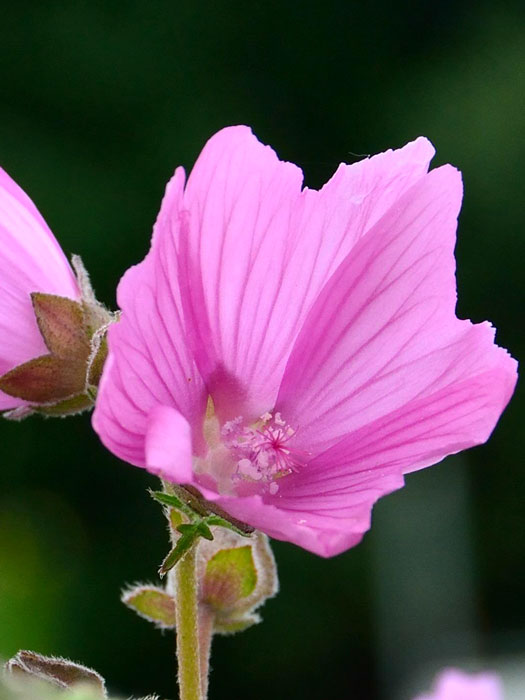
(216, 579)
(187, 622)
(206, 628)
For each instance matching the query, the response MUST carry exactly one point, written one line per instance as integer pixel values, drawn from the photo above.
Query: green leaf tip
(218, 521)
(189, 534)
(168, 499)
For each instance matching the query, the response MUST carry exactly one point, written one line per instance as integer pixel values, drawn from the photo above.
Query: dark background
(99, 101)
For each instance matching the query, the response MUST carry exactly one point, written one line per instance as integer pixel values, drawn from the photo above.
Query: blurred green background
(99, 102)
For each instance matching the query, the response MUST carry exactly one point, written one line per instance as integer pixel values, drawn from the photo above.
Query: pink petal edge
(31, 260)
(149, 361)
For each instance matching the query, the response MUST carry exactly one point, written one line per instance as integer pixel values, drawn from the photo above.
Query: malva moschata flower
(292, 353)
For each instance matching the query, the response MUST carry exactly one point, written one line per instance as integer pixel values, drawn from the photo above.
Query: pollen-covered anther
(262, 450)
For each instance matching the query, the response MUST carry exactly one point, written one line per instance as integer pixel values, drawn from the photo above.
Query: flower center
(246, 459)
(261, 452)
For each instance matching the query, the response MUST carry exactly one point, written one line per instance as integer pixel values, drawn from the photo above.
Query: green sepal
(217, 521)
(189, 534)
(97, 361)
(152, 603)
(95, 317)
(184, 543)
(200, 528)
(68, 407)
(61, 323)
(232, 625)
(212, 520)
(230, 576)
(175, 518)
(168, 499)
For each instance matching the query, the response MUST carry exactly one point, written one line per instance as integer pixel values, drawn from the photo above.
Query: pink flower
(456, 685)
(30, 261)
(322, 326)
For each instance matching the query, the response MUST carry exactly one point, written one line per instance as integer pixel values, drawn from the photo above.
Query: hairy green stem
(206, 620)
(187, 621)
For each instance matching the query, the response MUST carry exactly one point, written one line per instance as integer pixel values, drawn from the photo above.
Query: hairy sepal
(64, 381)
(153, 603)
(230, 576)
(56, 671)
(237, 575)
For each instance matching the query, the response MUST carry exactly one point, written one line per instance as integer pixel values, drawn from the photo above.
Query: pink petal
(257, 251)
(149, 363)
(456, 685)
(383, 332)
(323, 533)
(168, 445)
(370, 462)
(326, 508)
(30, 261)
(416, 435)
